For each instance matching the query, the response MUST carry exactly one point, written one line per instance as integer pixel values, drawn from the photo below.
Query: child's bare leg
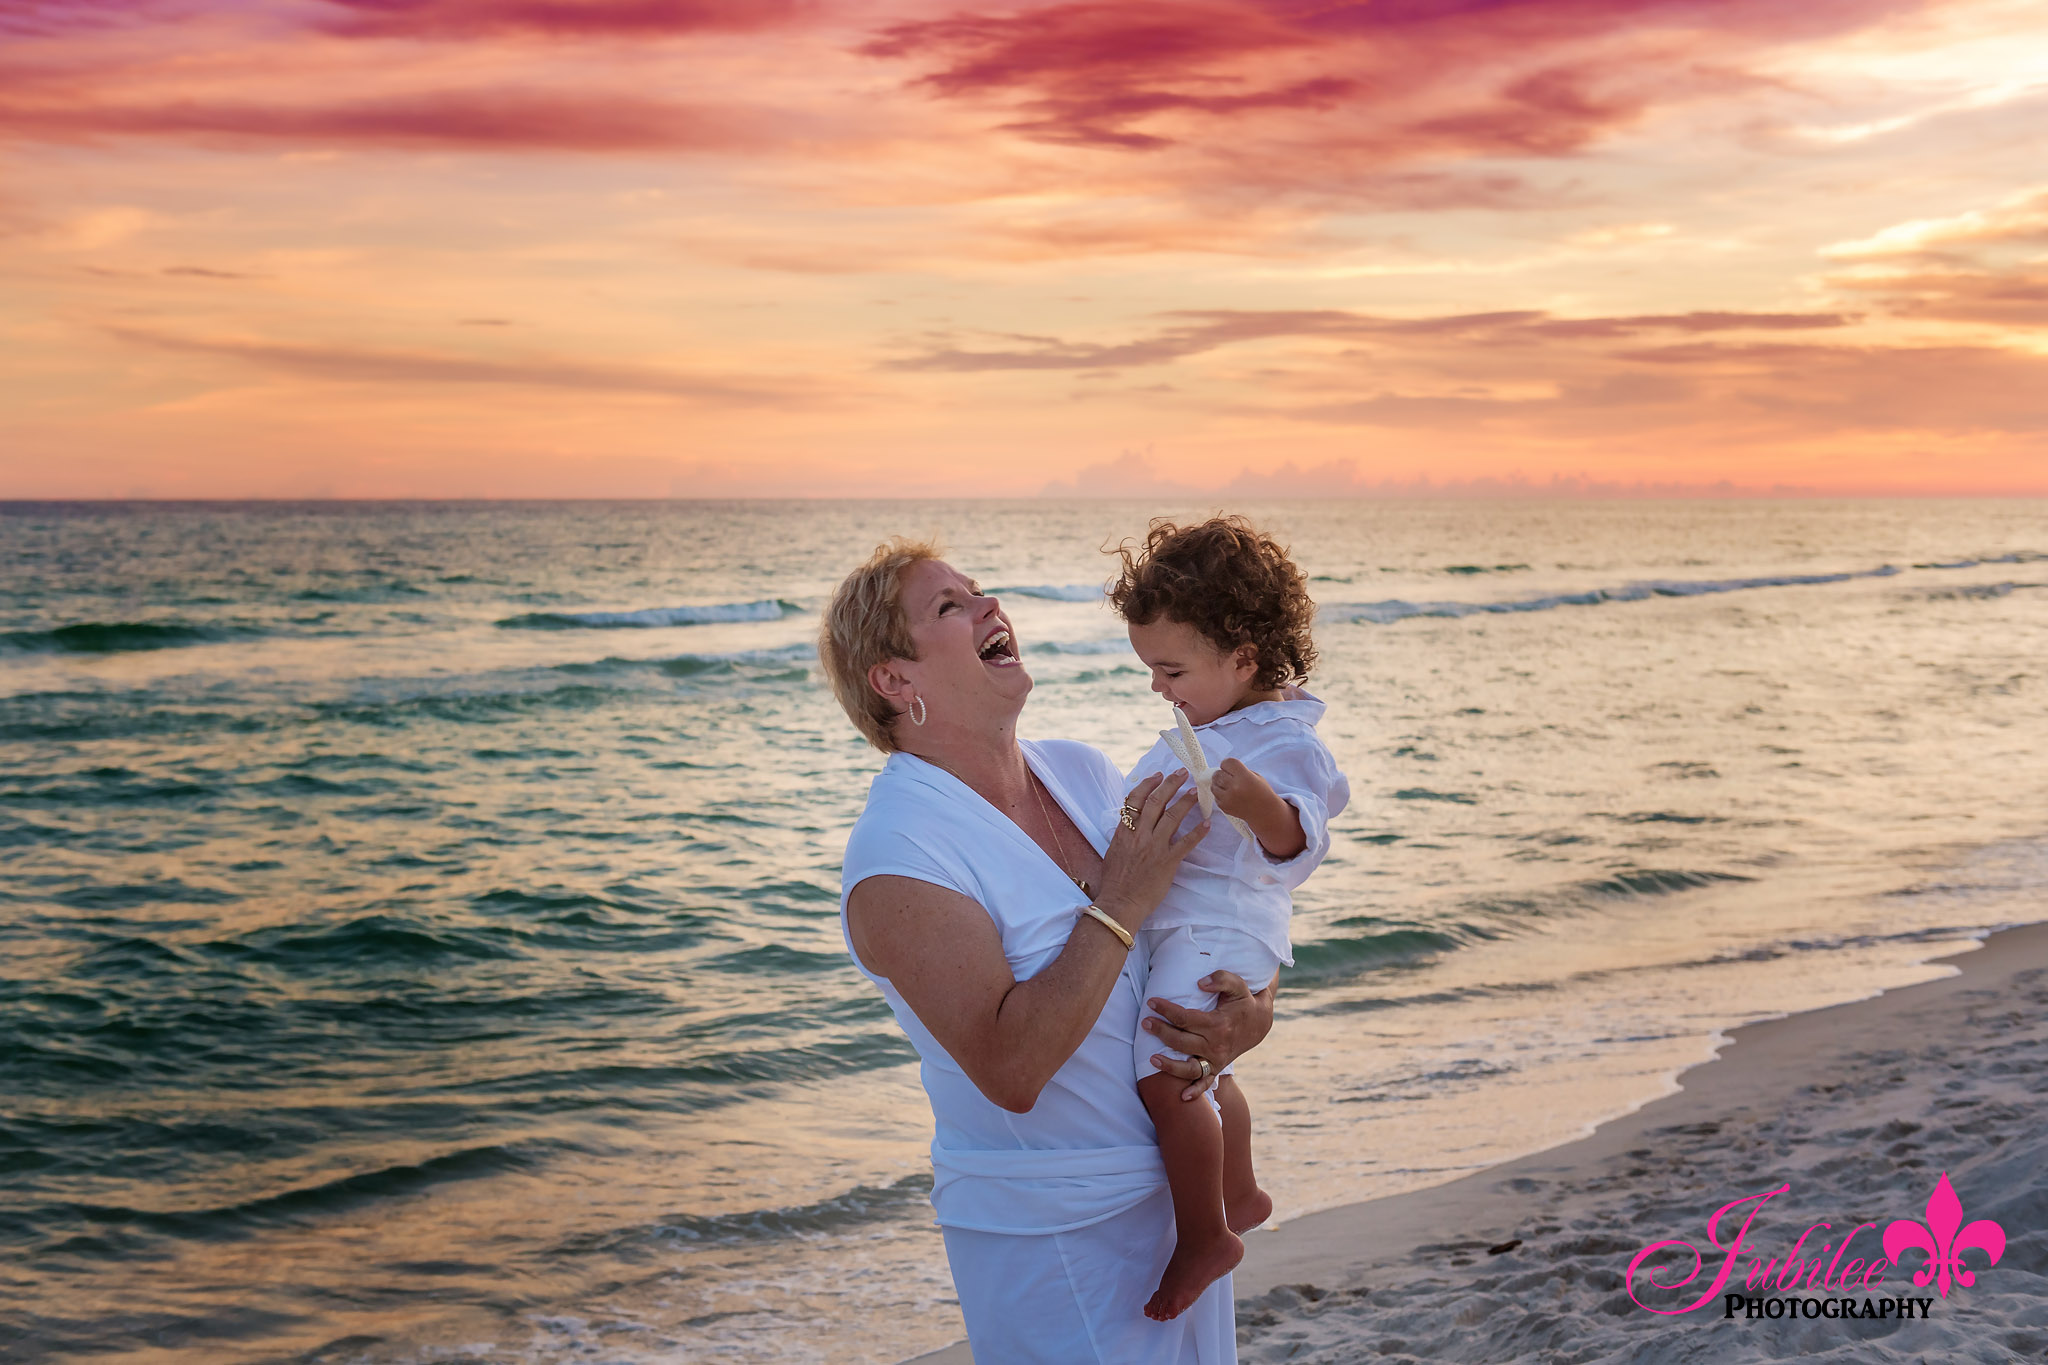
(1245, 1205)
(1191, 1145)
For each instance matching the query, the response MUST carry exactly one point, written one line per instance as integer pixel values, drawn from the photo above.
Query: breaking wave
(653, 618)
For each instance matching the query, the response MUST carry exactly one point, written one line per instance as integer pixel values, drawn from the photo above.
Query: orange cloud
(1210, 330)
(2015, 297)
(352, 364)
(1135, 475)
(1957, 269)
(971, 245)
(2022, 218)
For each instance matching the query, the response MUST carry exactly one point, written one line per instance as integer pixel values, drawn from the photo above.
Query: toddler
(1221, 617)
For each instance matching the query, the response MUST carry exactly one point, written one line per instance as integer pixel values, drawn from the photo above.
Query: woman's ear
(890, 684)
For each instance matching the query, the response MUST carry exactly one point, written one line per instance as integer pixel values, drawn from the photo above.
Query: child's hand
(1241, 792)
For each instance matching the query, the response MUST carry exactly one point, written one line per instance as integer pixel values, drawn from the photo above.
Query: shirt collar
(1294, 704)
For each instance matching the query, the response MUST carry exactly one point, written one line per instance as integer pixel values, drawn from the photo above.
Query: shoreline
(1337, 1279)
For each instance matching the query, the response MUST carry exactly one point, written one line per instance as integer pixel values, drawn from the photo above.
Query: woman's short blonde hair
(866, 625)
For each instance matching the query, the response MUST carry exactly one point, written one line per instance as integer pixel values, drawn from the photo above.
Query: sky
(890, 248)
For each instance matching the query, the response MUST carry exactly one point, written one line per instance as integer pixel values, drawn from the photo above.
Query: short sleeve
(879, 848)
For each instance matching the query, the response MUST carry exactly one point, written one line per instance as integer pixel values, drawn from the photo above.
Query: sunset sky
(519, 248)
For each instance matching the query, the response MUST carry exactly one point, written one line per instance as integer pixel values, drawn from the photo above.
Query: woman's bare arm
(941, 951)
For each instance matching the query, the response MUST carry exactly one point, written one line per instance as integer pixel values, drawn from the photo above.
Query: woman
(985, 896)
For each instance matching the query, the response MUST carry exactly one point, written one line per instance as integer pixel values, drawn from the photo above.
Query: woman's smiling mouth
(999, 649)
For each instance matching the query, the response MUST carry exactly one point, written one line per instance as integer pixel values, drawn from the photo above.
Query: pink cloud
(1072, 45)
(508, 119)
(464, 19)
(1319, 87)
(42, 18)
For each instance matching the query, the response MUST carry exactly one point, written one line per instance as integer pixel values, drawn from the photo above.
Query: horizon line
(1163, 496)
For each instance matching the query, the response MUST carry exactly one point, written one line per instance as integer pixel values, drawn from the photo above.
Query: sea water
(418, 932)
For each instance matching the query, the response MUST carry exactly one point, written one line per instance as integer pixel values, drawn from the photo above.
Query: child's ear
(1245, 658)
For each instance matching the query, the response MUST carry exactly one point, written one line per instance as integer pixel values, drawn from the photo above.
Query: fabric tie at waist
(1032, 1191)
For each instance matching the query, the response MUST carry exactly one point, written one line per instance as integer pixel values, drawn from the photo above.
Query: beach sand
(1859, 1108)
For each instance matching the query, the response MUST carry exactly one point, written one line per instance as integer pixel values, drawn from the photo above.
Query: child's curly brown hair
(1231, 582)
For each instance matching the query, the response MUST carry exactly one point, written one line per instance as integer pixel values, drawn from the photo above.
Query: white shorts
(1176, 958)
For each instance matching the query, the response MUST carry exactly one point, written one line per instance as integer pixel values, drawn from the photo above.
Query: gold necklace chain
(1057, 842)
(1030, 779)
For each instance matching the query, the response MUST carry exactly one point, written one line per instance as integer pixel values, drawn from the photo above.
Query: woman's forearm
(944, 954)
(1042, 1022)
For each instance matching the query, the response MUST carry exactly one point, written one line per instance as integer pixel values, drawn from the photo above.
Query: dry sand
(1859, 1108)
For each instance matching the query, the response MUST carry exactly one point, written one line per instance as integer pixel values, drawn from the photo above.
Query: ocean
(419, 943)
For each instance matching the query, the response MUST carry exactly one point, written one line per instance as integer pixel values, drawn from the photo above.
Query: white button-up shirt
(1228, 879)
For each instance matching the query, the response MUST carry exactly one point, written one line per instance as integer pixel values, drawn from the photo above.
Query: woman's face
(969, 664)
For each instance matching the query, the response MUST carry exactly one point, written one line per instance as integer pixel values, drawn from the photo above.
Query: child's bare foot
(1194, 1267)
(1249, 1211)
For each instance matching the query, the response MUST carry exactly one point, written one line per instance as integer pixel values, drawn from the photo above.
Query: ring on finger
(1129, 816)
(1207, 1070)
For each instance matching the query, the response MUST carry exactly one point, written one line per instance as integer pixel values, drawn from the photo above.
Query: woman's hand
(1140, 862)
(942, 951)
(1240, 1022)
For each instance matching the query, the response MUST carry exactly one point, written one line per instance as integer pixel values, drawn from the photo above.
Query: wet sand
(1858, 1109)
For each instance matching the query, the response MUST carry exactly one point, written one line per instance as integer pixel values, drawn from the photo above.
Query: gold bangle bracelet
(1096, 912)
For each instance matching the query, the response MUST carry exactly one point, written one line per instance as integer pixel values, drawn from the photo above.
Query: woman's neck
(993, 765)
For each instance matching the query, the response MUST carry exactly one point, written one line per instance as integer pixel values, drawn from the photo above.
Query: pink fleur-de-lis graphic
(1939, 1239)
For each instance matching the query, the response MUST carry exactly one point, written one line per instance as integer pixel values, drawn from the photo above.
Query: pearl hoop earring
(918, 711)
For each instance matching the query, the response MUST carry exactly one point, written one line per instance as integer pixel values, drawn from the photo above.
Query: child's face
(1192, 673)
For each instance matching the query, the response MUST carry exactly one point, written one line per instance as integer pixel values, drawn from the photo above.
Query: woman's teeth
(998, 649)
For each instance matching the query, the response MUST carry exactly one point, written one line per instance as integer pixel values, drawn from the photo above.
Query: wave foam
(691, 665)
(1080, 647)
(1397, 609)
(1071, 592)
(653, 618)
